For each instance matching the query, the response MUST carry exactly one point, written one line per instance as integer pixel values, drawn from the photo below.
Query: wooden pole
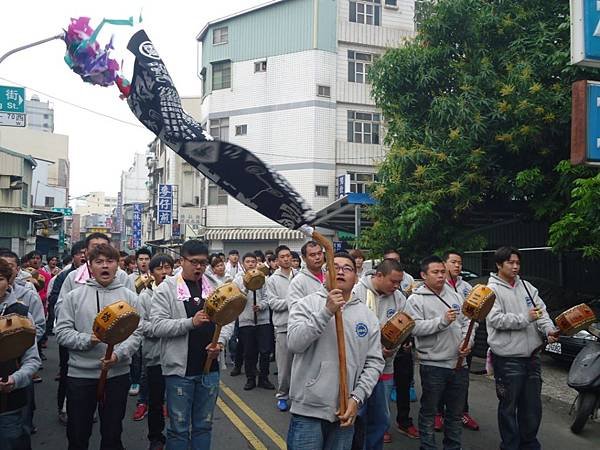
(103, 375)
(215, 341)
(339, 323)
(465, 345)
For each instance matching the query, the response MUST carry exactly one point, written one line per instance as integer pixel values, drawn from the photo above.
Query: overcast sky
(100, 148)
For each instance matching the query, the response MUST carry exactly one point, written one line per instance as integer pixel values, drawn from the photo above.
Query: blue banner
(593, 122)
(165, 204)
(136, 225)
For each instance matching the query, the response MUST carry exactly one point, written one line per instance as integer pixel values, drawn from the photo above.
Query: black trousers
(442, 407)
(403, 376)
(63, 364)
(156, 397)
(256, 341)
(81, 405)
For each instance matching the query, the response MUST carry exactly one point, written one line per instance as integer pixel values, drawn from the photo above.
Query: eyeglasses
(345, 269)
(197, 262)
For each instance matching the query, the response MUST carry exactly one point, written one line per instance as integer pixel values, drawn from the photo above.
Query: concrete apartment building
(287, 80)
(40, 115)
(133, 189)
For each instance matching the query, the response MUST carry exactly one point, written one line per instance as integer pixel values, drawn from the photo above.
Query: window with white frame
(241, 130)
(359, 65)
(321, 191)
(220, 35)
(366, 11)
(221, 75)
(363, 127)
(359, 182)
(219, 129)
(260, 66)
(216, 195)
(323, 91)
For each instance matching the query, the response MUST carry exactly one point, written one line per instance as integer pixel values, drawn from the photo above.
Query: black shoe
(266, 384)
(250, 384)
(236, 371)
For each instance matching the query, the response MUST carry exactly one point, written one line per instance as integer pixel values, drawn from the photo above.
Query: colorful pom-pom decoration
(86, 57)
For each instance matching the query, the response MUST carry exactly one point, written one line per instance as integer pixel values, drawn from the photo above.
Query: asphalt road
(250, 420)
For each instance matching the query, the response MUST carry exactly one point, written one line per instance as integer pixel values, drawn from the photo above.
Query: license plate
(555, 347)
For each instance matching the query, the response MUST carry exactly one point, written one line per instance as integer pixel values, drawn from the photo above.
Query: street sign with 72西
(12, 99)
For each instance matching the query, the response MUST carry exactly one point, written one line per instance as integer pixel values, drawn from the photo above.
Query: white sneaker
(134, 389)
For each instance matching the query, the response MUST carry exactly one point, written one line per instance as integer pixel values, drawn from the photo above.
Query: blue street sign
(585, 32)
(593, 122)
(12, 99)
(165, 204)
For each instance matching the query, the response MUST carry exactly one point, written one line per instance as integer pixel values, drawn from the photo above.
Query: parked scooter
(584, 377)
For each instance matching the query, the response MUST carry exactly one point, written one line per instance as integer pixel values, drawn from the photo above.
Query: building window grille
(221, 76)
(220, 35)
(241, 130)
(323, 91)
(359, 182)
(216, 195)
(367, 12)
(321, 191)
(219, 129)
(363, 127)
(260, 66)
(49, 202)
(359, 65)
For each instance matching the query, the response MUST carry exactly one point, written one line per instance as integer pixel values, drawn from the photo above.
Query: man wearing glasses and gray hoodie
(517, 326)
(316, 422)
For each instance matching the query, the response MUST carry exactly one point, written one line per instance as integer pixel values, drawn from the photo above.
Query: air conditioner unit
(16, 185)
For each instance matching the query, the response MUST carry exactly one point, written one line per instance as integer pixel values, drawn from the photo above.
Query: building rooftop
(204, 29)
(20, 155)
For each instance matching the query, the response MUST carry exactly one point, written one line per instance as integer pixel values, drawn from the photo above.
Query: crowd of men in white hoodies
(289, 319)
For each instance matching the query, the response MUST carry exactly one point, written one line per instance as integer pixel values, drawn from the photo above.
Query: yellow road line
(241, 426)
(262, 425)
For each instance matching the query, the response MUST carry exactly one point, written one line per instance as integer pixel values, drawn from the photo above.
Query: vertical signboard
(136, 225)
(585, 124)
(585, 32)
(165, 204)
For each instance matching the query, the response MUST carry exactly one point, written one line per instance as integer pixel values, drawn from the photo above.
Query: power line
(75, 105)
(125, 122)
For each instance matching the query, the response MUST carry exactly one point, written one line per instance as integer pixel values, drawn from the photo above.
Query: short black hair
(309, 244)
(104, 250)
(50, 258)
(6, 253)
(269, 252)
(96, 236)
(31, 255)
(67, 260)
(215, 259)
(451, 252)
(143, 251)
(5, 270)
(347, 256)
(259, 254)
(387, 266)
(249, 255)
(233, 252)
(295, 255)
(77, 247)
(280, 249)
(504, 254)
(193, 247)
(387, 251)
(425, 262)
(123, 254)
(159, 260)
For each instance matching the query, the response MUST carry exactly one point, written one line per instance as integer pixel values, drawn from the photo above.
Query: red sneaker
(438, 422)
(387, 438)
(469, 422)
(409, 431)
(141, 411)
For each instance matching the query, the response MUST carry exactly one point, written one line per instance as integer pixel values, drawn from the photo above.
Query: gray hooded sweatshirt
(171, 324)
(462, 287)
(276, 290)
(437, 342)
(510, 331)
(311, 337)
(150, 343)
(385, 307)
(303, 284)
(30, 362)
(74, 329)
(246, 318)
(32, 300)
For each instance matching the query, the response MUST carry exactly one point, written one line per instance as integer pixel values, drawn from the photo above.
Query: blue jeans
(451, 386)
(376, 415)
(13, 436)
(191, 402)
(518, 387)
(309, 433)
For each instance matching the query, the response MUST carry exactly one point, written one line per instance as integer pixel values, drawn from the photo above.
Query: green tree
(478, 117)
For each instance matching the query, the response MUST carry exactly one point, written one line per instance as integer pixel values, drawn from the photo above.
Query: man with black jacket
(78, 254)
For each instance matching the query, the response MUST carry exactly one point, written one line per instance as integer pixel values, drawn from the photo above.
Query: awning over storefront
(251, 234)
(346, 214)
